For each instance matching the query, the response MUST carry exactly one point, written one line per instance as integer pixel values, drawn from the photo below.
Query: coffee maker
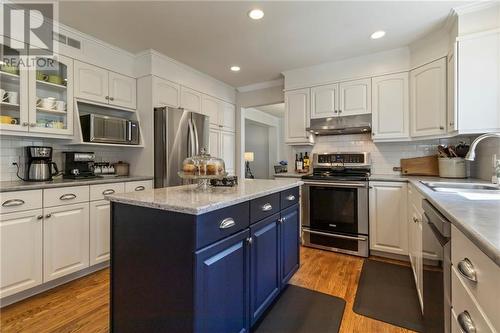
(39, 165)
(79, 165)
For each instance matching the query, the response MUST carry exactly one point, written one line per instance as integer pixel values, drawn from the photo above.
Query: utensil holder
(452, 167)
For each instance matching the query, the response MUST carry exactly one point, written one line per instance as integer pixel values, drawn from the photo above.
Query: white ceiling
(277, 110)
(212, 36)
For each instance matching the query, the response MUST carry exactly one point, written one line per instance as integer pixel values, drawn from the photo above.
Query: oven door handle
(364, 239)
(331, 184)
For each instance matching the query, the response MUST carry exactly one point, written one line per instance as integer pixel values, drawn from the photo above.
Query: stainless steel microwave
(105, 129)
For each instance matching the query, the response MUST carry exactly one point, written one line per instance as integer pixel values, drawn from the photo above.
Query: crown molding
(475, 6)
(262, 85)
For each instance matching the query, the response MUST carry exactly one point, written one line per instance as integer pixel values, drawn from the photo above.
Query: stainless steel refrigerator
(177, 134)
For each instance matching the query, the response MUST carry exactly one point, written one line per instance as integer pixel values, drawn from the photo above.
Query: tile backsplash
(12, 150)
(384, 155)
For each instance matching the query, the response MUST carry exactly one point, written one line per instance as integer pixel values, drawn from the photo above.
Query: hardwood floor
(82, 305)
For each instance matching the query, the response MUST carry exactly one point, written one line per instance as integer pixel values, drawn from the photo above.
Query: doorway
(257, 143)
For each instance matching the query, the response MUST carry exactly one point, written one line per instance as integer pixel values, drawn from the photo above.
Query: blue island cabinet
(216, 272)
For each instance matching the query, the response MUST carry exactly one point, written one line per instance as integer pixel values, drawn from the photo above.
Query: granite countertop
(19, 185)
(185, 199)
(477, 218)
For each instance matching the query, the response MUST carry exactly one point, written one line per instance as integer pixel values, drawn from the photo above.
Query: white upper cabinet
(166, 93)
(91, 82)
(210, 107)
(103, 86)
(190, 99)
(214, 138)
(122, 90)
(227, 113)
(21, 255)
(324, 101)
(451, 117)
(355, 97)
(428, 99)
(390, 107)
(479, 83)
(388, 228)
(297, 115)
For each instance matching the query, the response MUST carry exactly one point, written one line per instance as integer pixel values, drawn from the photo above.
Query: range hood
(341, 125)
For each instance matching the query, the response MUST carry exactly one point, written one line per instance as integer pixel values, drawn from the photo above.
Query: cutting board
(420, 166)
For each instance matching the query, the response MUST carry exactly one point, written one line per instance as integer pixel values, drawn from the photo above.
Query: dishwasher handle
(441, 239)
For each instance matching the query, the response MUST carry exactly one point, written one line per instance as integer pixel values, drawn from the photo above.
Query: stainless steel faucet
(471, 154)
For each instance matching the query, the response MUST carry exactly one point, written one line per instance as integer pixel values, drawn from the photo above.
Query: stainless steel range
(335, 203)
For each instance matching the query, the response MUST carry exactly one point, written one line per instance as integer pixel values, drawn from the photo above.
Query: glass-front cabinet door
(51, 95)
(13, 89)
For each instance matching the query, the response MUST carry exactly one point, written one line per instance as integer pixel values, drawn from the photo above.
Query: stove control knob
(75, 172)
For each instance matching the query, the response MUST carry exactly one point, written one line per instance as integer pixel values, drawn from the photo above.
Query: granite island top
(185, 199)
(19, 185)
(478, 218)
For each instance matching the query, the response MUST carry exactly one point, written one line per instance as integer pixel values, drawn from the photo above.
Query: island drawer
(17, 201)
(65, 195)
(98, 192)
(289, 197)
(214, 226)
(263, 207)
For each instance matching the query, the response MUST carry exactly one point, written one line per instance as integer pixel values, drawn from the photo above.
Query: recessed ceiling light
(235, 68)
(256, 14)
(378, 34)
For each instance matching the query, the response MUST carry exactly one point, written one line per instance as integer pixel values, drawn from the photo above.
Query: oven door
(336, 207)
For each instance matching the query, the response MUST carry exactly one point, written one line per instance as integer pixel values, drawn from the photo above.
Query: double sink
(472, 191)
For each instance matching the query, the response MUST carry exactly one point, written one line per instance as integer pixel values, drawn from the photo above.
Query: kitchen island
(188, 261)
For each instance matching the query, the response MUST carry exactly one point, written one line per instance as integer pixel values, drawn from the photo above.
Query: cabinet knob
(441, 127)
(25, 124)
(415, 219)
(111, 98)
(39, 217)
(106, 98)
(291, 197)
(467, 270)
(466, 324)
(32, 124)
(249, 240)
(340, 111)
(48, 216)
(335, 111)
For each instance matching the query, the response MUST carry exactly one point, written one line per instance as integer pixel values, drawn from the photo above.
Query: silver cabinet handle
(267, 207)
(139, 188)
(465, 322)
(249, 240)
(48, 216)
(441, 127)
(415, 220)
(107, 97)
(291, 197)
(13, 203)
(340, 111)
(467, 270)
(280, 220)
(227, 223)
(107, 192)
(111, 98)
(69, 196)
(335, 111)
(39, 217)
(32, 124)
(25, 124)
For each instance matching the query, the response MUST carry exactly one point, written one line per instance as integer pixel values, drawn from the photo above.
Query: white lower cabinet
(100, 224)
(388, 230)
(65, 240)
(21, 255)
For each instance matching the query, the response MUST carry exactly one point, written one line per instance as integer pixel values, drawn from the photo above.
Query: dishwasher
(436, 271)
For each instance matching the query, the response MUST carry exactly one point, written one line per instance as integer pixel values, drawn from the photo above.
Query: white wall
(257, 141)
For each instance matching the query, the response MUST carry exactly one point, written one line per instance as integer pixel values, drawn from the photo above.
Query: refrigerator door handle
(197, 143)
(191, 143)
